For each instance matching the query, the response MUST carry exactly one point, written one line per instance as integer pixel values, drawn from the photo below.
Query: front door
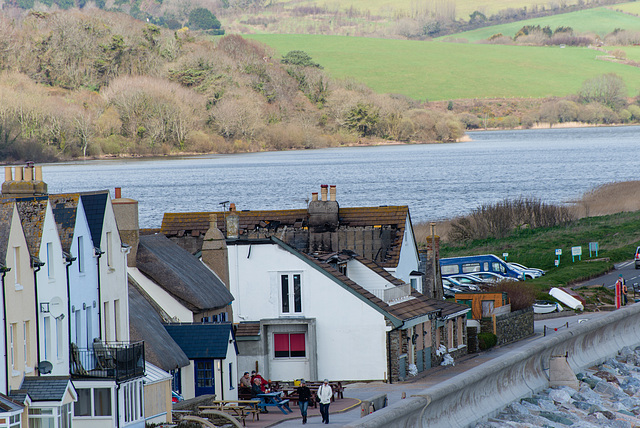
(204, 377)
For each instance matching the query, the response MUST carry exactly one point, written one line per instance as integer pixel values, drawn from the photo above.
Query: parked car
(450, 292)
(466, 281)
(492, 277)
(527, 273)
(637, 257)
(540, 272)
(474, 264)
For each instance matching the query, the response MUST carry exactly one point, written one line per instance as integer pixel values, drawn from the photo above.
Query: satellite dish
(45, 367)
(56, 307)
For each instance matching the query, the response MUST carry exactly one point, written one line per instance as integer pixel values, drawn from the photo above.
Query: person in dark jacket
(304, 396)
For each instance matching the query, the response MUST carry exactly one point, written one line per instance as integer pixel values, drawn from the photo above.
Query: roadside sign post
(504, 256)
(593, 247)
(558, 253)
(576, 251)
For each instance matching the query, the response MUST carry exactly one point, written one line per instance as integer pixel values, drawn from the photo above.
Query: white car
(527, 272)
(493, 277)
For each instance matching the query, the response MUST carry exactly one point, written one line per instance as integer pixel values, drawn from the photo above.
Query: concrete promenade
(432, 377)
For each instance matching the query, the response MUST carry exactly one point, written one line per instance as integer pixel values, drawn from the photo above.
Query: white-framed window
(231, 382)
(46, 337)
(291, 293)
(25, 342)
(59, 338)
(116, 319)
(89, 318)
(50, 271)
(289, 345)
(109, 250)
(14, 421)
(93, 402)
(133, 402)
(78, 317)
(12, 343)
(41, 417)
(65, 416)
(80, 254)
(17, 273)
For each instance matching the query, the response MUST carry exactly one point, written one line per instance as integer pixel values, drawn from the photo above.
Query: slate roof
(19, 396)
(45, 388)
(6, 211)
(145, 324)
(65, 208)
(95, 204)
(393, 218)
(201, 340)
(32, 213)
(9, 405)
(181, 274)
(418, 306)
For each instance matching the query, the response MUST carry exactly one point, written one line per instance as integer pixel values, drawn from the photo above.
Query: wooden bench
(240, 409)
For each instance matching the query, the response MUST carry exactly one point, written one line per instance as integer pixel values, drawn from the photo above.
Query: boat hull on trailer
(546, 307)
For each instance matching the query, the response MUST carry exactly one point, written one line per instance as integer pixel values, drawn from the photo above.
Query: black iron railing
(112, 360)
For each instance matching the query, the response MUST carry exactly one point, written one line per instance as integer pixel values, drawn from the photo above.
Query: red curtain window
(289, 345)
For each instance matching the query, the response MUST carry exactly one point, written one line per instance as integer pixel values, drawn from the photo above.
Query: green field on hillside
(599, 20)
(440, 71)
(393, 8)
(633, 7)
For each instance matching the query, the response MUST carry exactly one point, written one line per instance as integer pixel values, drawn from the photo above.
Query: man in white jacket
(325, 392)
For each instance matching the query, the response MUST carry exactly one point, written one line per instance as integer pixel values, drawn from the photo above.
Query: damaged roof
(381, 229)
(146, 325)
(181, 274)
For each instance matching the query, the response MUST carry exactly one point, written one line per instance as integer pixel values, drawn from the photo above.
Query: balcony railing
(392, 294)
(120, 361)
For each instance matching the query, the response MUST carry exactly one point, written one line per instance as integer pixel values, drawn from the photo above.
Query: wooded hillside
(90, 83)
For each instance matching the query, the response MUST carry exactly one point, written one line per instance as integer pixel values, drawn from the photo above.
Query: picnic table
(240, 409)
(274, 399)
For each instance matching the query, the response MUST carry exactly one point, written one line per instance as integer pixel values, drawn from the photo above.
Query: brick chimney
(214, 250)
(323, 214)
(25, 182)
(233, 222)
(126, 212)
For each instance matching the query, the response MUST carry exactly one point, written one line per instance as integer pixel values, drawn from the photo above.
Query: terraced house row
(103, 320)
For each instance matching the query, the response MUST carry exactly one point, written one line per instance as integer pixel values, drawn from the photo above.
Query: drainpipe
(36, 265)
(118, 405)
(4, 270)
(99, 254)
(69, 259)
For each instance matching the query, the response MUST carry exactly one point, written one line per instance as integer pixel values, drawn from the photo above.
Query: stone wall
(510, 327)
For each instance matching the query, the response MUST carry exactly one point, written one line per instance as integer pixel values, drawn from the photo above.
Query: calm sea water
(437, 181)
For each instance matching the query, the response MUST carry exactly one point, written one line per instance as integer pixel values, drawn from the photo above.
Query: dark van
(473, 264)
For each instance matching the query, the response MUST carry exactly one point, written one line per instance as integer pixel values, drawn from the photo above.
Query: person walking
(624, 291)
(325, 392)
(304, 395)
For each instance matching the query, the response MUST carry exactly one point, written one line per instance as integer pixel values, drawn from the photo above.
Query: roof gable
(202, 340)
(94, 205)
(145, 324)
(181, 274)
(46, 388)
(65, 208)
(6, 212)
(32, 213)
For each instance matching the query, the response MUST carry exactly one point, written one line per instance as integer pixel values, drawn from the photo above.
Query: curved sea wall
(484, 390)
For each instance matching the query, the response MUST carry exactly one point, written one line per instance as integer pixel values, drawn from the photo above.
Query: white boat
(546, 307)
(567, 299)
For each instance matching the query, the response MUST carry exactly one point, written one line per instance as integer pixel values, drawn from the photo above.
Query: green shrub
(487, 340)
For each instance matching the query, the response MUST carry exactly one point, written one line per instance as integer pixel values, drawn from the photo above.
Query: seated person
(245, 383)
(256, 388)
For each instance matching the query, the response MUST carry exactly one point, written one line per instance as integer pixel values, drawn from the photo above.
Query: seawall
(484, 390)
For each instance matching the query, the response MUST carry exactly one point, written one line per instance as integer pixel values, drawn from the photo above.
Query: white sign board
(557, 262)
(505, 255)
(558, 252)
(576, 251)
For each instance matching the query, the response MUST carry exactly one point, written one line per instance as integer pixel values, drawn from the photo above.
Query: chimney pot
(232, 206)
(118, 192)
(314, 196)
(38, 173)
(8, 173)
(18, 176)
(213, 221)
(323, 191)
(332, 193)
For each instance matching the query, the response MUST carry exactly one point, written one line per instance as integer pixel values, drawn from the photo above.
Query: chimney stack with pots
(323, 214)
(214, 250)
(126, 212)
(22, 182)
(233, 222)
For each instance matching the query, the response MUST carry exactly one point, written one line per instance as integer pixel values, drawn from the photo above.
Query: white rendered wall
(409, 257)
(222, 376)
(54, 342)
(350, 334)
(165, 300)
(187, 379)
(83, 285)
